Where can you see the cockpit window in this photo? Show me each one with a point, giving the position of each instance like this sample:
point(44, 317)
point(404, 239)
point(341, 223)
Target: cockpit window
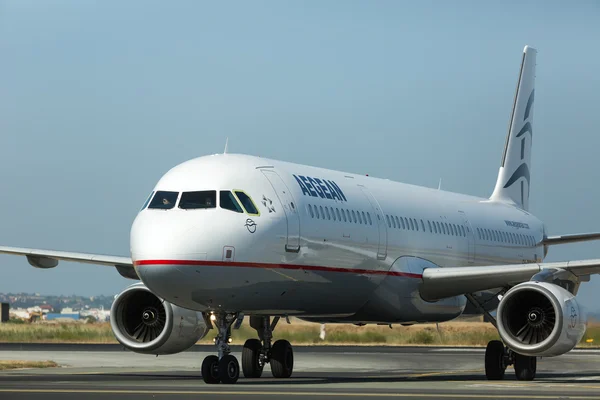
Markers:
point(147, 201)
point(195, 200)
point(228, 201)
point(246, 202)
point(164, 200)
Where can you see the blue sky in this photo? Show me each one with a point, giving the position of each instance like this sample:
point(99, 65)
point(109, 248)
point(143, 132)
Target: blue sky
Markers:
point(98, 99)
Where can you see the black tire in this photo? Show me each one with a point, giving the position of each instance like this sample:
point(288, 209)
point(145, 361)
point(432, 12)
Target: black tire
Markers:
point(525, 367)
point(251, 359)
point(282, 359)
point(210, 370)
point(229, 369)
point(494, 361)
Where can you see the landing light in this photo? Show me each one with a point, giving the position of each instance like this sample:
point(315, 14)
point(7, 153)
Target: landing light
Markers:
point(589, 340)
point(213, 318)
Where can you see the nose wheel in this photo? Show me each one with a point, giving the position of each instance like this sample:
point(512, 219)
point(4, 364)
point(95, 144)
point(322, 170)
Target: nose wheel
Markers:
point(224, 367)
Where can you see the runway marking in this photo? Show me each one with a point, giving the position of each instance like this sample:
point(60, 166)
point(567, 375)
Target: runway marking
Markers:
point(257, 393)
point(426, 374)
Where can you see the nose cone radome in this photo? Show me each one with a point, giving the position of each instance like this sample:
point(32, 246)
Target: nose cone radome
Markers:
point(162, 236)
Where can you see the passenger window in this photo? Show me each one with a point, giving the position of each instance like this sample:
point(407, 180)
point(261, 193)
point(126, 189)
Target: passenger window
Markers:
point(247, 202)
point(369, 217)
point(439, 228)
point(348, 215)
point(423, 225)
point(393, 222)
point(402, 222)
point(147, 201)
point(228, 201)
point(412, 224)
point(327, 212)
point(416, 225)
point(353, 216)
point(317, 212)
point(344, 215)
point(364, 217)
point(359, 219)
point(310, 211)
point(429, 223)
point(333, 213)
point(339, 217)
point(322, 212)
point(387, 217)
point(462, 228)
point(164, 200)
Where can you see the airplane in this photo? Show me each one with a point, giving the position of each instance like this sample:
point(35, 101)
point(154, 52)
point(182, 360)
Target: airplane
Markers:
point(226, 236)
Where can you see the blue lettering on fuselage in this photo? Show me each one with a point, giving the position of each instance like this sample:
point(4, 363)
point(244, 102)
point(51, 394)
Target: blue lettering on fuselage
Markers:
point(316, 187)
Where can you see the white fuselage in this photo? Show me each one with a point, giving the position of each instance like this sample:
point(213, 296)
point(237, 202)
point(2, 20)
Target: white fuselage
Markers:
point(324, 244)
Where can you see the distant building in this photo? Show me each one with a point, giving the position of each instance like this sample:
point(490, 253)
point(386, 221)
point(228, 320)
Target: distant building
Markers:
point(4, 312)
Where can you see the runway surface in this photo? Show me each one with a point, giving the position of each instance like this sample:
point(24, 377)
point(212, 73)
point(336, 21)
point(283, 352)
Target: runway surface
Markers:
point(107, 372)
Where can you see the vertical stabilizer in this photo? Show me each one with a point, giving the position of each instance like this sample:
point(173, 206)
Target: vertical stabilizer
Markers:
point(514, 177)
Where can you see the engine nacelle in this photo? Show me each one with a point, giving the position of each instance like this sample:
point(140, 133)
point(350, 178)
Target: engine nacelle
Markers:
point(540, 319)
point(147, 324)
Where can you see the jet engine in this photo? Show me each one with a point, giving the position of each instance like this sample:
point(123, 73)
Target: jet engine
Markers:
point(540, 319)
point(147, 324)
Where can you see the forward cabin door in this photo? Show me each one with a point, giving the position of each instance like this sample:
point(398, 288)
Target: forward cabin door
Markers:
point(289, 208)
point(379, 220)
point(470, 237)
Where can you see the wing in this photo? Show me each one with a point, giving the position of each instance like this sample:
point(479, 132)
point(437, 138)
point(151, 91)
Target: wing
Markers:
point(439, 283)
point(50, 258)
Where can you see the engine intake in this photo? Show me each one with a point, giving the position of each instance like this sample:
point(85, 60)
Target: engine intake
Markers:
point(144, 323)
point(540, 319)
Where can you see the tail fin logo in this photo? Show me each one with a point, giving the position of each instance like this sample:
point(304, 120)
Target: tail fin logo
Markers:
point(523, 170)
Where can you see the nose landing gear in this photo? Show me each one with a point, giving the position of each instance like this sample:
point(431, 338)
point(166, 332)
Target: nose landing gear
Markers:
point(224, 367)
point(257, 353)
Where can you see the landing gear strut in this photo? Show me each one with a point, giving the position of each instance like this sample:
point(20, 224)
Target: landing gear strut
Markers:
point(224, 367)
point(498, 357)
point(256, 353)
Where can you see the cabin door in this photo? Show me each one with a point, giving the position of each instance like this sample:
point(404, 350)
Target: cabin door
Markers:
point(379, 220)
point(470, 237)
point(289, 208)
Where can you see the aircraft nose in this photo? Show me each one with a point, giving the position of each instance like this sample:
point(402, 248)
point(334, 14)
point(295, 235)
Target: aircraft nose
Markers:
point(159, 236)
point(158, 241)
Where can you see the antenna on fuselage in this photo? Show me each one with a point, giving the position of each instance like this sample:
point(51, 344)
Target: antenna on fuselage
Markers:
point(226, 143)
point(440, 184)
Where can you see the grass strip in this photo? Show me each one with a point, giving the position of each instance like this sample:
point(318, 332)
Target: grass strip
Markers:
point(11, 364)
point(454, 333)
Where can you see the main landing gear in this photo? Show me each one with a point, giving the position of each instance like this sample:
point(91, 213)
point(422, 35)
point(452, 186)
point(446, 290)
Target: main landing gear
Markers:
point(256, 353)
point(498, 357)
